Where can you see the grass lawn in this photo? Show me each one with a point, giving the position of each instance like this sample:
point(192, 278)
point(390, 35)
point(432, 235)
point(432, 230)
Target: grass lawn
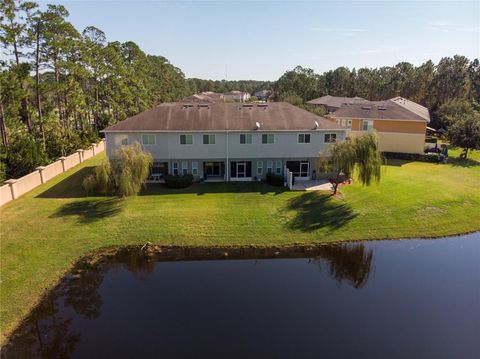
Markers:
point(45, 231)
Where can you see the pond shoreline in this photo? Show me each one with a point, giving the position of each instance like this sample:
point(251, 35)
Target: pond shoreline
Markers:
point(150, 252)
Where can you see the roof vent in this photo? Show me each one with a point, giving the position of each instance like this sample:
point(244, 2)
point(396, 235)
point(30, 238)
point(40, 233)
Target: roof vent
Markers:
point(247, 105)
point(262, 105)
point(187, 105)
point(382, 108)
point(257, 125)
point(366, 108)
point(316, 124)
point(203, 105)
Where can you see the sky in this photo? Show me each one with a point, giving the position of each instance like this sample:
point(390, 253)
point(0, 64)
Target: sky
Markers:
point(261, 40)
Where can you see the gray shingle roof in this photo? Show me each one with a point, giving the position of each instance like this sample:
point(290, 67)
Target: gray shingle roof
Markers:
point(335, 101)
point(393, 109)
point(276, 116)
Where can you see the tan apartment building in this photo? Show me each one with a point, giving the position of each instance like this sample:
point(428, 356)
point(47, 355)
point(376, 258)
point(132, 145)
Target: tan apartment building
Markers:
point(400, 124)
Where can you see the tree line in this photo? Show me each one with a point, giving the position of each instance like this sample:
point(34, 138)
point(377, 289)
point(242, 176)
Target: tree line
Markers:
point(221, 86)
point(60, 86)
point(452, 79)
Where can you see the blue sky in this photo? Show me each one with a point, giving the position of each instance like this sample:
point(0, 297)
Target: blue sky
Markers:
point(262, 40)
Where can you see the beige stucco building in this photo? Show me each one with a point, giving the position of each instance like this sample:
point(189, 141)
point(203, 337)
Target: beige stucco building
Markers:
point(400, 124)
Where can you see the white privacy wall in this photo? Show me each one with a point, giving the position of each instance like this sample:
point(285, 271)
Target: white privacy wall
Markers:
point(14, 188)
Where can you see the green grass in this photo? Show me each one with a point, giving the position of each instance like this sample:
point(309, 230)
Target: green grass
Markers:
point(45, 231)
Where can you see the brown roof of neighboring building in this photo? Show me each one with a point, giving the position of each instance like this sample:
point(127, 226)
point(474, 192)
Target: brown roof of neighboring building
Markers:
point(414, 107)
point(276, 116)
point(335, 101)
point(393, 109)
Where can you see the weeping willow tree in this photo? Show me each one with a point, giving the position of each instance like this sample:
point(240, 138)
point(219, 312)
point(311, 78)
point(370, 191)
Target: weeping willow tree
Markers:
point(124, 174)
point(361, 154)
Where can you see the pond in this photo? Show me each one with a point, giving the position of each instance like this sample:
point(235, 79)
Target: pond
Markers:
point(379, 299)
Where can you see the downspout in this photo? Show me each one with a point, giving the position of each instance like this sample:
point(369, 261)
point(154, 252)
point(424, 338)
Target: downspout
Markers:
point(227, 164)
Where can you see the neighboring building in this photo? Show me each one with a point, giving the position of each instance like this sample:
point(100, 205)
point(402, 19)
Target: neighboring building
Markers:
point(228, 141)
point(238, 96)
point(401, 124)
point(262, 95)
point(205, 97)
point(333, 103)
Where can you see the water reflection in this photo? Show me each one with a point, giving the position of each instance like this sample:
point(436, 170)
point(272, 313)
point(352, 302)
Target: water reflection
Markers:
point(351, 263)
point(49, 333)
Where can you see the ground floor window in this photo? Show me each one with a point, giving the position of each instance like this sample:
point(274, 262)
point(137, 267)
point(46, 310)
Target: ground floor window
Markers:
point(259, 168)
point(299, 168)
point(278, 167)
point(195, 168)
point(184, 168)
point(175, 168)
point(241, 169)
point(269, 166)
point(159, 168)
point(214, 169)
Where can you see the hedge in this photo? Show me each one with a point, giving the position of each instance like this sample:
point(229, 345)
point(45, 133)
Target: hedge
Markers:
point(178, 181)
point(275, 180)
point(411, 157)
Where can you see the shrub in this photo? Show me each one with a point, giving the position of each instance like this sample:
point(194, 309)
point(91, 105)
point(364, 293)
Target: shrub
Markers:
point(178, 181)
point(89, 184)
point(410, 157)
point(275, 180)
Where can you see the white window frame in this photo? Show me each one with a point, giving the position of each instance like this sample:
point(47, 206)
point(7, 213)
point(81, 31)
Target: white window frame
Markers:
point(270, 138)
point(259, 168)
point(175, 168)
point(269, 166)
point(184, 168)
point(330, 135)
point(369, 125)
point(278, 167)
point(302, 137)
point(195, 168)
point(187, 136)
point(246, 137)
point(209, 141)
point(148, 142)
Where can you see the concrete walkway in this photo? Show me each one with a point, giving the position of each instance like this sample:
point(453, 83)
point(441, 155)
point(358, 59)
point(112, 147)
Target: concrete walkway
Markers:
point(313, 185)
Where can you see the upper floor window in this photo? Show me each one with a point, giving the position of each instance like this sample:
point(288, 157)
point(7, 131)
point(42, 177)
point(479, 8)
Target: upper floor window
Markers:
point(148, 139)
point(186, 139)
point(268, 138)
point(246, 139)
point(330, 137)
point(208, 139)
point(303, 138)
point(367, 125)
point(349, 124)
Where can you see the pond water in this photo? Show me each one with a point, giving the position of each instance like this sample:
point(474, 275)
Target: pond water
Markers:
point(382, 299)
